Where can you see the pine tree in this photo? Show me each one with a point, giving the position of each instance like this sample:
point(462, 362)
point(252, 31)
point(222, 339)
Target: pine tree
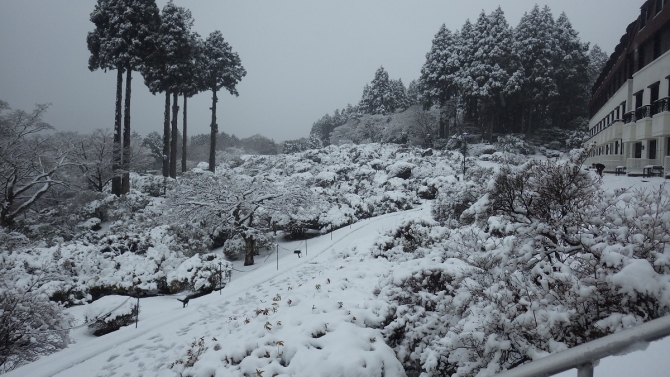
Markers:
point(122, 35)
point(221, 68)
point(438, 79)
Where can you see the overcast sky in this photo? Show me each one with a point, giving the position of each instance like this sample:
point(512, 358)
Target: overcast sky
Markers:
point(304, 58)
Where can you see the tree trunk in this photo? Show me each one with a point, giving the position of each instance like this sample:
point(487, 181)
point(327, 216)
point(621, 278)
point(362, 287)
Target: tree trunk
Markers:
point(125, 183)
point(441, 127)
point(184, 140)
point(116, 149)
point(212, 138)
point(175, 134)
point(166, 135)
point(250, 244)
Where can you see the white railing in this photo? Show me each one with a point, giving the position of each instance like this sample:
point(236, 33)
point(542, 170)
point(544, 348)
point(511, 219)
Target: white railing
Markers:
point(585, 355)
point(637, 164)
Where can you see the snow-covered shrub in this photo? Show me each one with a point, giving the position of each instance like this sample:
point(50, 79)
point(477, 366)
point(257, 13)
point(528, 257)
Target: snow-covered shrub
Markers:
point(400, 169)
point(30, 324)
point(152, 185)
point(457, 196)
point(507, 158)
point(550, 262)
point(513, 144)
point(410, 240)
point(109, 314)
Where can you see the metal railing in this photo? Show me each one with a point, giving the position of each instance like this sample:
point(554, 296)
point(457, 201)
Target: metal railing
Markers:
point(629, 117)
point(661, 105)
point(643, 112)
point(585, 355)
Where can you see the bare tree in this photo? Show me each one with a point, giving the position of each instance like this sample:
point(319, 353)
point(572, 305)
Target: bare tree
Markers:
point(29, 160)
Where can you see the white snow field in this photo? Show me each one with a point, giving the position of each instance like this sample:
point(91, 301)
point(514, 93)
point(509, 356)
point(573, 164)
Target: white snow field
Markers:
point(311, 316)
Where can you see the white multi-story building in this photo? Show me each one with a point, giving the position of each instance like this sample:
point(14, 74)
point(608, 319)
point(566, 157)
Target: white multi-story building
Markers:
point(630, 103)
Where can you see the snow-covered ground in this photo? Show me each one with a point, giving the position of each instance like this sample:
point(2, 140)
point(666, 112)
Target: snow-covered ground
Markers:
point(306, 316)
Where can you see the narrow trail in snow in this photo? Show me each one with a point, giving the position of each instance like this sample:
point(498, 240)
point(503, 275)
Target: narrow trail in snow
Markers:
point(245, 286)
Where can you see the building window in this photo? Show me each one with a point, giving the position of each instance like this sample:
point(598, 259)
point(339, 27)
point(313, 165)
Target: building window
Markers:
point(652, 149)
point(653, 96)
point(667, 148)
point(616, 147)
point(640, 57)
point(638, 99)
point(659, 6)
point(643, 18)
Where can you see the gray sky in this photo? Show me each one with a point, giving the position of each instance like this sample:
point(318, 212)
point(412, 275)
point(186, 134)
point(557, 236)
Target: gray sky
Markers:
point(304, 58)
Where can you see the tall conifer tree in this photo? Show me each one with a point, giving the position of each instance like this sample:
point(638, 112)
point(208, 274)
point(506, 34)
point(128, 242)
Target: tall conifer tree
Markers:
point(220, 68)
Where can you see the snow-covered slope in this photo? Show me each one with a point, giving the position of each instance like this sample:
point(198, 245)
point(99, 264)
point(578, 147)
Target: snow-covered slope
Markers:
point(309, 317)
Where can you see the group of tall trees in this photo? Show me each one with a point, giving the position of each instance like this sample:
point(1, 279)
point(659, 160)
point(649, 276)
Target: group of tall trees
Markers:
point(502, 79)
point(491, 78)
point(133, 35)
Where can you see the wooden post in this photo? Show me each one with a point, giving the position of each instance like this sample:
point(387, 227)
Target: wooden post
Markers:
point(277, 257)
point(137, 314)
point(220, 279)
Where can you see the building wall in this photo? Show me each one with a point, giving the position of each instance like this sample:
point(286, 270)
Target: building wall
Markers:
point(634, 136)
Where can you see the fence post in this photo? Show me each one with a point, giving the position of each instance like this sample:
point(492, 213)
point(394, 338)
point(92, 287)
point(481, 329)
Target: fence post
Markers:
point(137, 314)
point(585, 370)
point(220, 279)
point(277, 257)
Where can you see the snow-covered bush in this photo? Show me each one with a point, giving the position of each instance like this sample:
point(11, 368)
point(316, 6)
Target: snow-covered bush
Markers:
point(550, 262)
point(411, 240)
point(513, 144)
point(109, 314)
point(507, 158)
point(30, 325)
point(457, 196)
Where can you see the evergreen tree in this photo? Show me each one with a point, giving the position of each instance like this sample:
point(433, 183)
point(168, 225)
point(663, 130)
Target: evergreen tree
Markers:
point(382, 95)
point(438, 79)
point(122, 36)
point(572, 75)
point(221, 68)
point(536, 48)
point(485, 76)
point(167, 71)
point(597, 60)
point(414, 95)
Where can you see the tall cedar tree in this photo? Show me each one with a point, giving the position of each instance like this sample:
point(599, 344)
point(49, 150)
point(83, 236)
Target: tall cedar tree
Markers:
point(122, 36)
point(438, 75)
point(572, 78)
point(220, 68)
point(382, 95)
point(190, 86)
point(166, 71)
point(486, 78)
point(534, 45)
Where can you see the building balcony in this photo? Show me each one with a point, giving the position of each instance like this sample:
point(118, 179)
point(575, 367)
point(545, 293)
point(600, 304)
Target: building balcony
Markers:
point(643, 128)
point(611, 133)
point(629, 117)
point(628, 132)
point(643, 112)
point(662, 105)
point(661, 124)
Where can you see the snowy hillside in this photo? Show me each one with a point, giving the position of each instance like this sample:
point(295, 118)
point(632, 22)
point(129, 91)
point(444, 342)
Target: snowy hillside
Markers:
point(423, 272)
